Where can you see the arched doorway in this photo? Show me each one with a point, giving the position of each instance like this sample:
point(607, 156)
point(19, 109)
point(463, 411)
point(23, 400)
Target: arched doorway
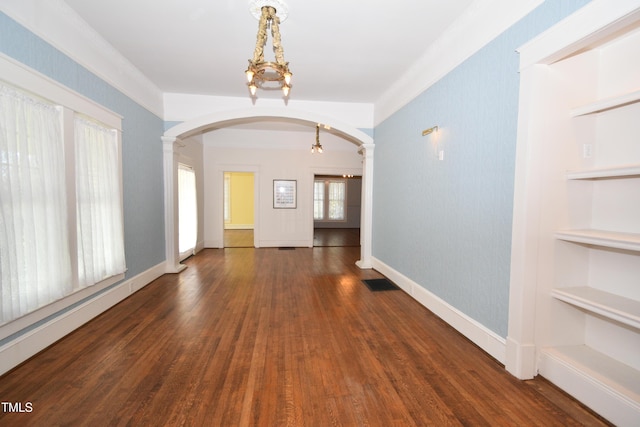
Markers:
point(199, 125)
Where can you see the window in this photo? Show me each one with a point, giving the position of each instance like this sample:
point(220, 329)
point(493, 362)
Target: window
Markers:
point(318, 200)
point(337, 193)
point(98, 202)
point(61, 211)
point(187, 211)
point(34, 248)
point(329, 199)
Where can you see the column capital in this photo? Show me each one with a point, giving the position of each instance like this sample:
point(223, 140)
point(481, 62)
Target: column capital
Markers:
point(367, 149)
point(168, 143)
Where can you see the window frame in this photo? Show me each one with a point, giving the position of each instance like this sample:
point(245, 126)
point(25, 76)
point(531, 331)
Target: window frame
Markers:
point(38, 85)
point(326, 180)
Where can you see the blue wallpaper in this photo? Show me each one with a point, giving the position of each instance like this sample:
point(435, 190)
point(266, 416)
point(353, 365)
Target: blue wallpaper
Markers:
point(141, 144)
point(447, 224)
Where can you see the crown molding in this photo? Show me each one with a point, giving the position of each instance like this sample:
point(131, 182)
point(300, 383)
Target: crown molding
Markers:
point(480, 23)
point(59, 25)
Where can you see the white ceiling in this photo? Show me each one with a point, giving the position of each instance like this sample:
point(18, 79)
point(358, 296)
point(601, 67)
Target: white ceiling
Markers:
point(338, 50)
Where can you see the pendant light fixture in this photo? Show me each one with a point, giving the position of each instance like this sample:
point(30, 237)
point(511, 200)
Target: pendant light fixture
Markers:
point(317, 148)
point(260, 72)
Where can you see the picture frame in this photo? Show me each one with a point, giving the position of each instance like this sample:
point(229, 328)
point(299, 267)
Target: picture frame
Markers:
point(285, 194)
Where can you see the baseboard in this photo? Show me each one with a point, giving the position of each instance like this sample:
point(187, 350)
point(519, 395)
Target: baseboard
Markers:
point(616, 403)
point(286, 243)
point(521, 359)
point(32, 342)
point(483, 337)
point(238, 226)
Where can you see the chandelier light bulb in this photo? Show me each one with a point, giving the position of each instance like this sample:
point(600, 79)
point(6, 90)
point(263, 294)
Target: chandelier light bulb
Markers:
point(287, 78)
point(285, 90)
point(249, 74)
point(253, 88)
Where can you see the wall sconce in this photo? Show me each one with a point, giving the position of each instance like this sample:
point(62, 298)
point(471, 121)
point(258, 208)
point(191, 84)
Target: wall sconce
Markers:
point(430, 130)
point(435, 142)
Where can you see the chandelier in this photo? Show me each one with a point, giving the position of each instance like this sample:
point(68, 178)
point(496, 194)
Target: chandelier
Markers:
point(261, 72)
point(317, 147)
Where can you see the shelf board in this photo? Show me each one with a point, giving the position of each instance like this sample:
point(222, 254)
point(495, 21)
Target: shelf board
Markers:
point(611, 306)
point(604, 173)
point(595, 369)
point(606, 104)
point(609, 239)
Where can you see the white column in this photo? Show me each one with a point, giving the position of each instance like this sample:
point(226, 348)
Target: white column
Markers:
point(171, 206)
point(366, 221)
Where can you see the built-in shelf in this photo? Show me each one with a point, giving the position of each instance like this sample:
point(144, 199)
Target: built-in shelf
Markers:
point(594, 368)
point(607, 104)
point(609, 239)
point(611, 306)
point(605, 173)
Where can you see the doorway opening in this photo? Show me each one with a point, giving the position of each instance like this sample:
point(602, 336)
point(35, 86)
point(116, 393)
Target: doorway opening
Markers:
point(239, 210)
point(337, 207)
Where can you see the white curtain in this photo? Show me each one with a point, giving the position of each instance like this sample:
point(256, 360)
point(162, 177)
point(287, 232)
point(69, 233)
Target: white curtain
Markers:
point(318, 200)
point(337, 192)
point(99, 205)
point(187, 210)
point(35, 267)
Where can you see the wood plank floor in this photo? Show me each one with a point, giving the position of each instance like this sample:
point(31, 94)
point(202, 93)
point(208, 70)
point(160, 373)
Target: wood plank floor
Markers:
point(336, 237)
point(321, 237)
point(238, 239)
point(268, 337)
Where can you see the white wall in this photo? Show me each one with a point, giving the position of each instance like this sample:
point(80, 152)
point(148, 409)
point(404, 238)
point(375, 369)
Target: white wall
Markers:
point(272, 155)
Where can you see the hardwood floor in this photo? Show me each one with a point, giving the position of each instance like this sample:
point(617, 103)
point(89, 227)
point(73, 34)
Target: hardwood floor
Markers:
point(238, 239)
point(336, 237)
point(321, 237)
point(266, 337)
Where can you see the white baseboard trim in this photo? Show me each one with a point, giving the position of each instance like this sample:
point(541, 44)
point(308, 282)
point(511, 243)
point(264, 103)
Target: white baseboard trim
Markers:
point(521, 359)
point(616, 403)
point(286, 243)
point(213, 244)
point(32, 342)
point(483, 337)
point(238, 226)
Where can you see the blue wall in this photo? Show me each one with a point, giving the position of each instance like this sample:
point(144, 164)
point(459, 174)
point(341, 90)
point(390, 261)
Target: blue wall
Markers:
point(447, 224)
point(141, 144)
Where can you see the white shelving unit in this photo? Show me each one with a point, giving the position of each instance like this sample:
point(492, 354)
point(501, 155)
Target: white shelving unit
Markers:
point(606, 173)
point(605, 304)
point(607, 104)
point(578, 213)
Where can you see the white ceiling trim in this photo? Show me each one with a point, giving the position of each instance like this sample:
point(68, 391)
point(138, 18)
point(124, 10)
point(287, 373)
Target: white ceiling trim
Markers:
point(480, 23)
point(59, 25)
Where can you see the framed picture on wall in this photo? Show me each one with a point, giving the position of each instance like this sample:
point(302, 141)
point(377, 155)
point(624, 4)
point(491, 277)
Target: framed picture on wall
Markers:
point(284, 193)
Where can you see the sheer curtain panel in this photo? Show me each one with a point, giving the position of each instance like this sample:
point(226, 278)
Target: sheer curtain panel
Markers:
point(35, 267)
point(337, 193)
point(187, 211)
point(99, 204)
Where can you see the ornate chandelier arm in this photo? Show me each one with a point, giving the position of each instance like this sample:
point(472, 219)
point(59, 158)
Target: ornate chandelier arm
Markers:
point(261, 40)
point(275, 34)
